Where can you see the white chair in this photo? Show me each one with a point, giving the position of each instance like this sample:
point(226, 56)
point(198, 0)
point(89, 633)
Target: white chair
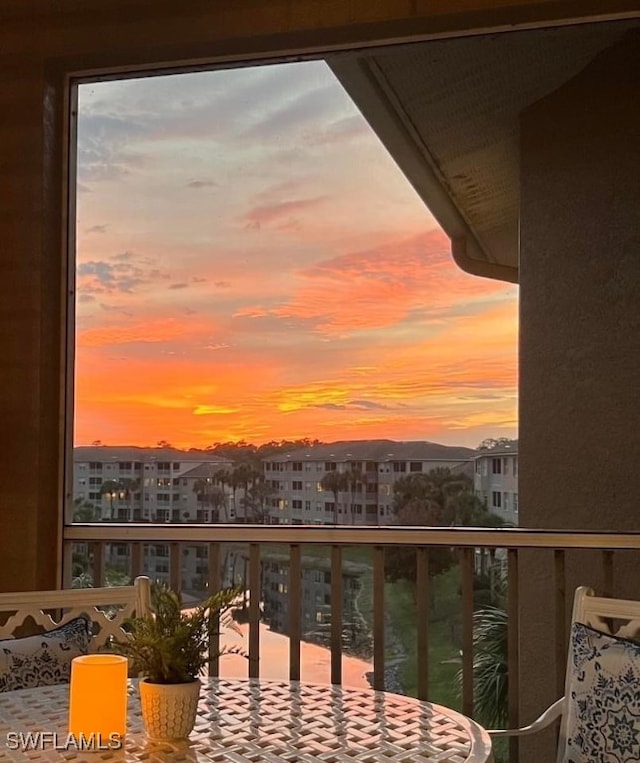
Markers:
point(107, 608)
point(617, 617)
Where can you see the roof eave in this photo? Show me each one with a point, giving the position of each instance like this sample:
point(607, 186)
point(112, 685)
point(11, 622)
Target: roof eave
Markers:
point(414, 160)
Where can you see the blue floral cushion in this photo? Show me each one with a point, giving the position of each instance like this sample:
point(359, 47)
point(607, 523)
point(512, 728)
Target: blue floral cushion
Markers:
point(43, 660)
point(603, 705)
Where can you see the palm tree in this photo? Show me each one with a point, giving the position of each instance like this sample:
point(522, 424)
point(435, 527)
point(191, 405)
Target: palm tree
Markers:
point(335, 482)
point(201, 488)
point(234, 482)
point(243, 475)
point(490, 670)
point(221, 477)
point(255, 499)
point(217, 501)
point(111, 488)
point(210, 493)
point(129, 487)
point(354, 476)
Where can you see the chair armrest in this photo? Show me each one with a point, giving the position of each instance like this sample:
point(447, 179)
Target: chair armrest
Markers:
point(550, 715)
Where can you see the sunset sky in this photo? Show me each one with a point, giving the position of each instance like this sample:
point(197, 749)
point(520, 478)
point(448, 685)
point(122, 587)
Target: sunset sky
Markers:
point(252, 265)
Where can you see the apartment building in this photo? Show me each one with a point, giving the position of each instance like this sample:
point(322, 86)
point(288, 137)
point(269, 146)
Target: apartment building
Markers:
point(131, 484)
point(496, 480)
point(128, 484)
point(315, 601)
point(297, 478)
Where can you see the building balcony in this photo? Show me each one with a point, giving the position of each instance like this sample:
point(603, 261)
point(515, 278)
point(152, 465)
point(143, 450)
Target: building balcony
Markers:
point(340, 587)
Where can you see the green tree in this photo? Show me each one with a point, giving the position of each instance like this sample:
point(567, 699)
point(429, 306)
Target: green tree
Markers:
point(401, 563)
point(491, 443)
point(84, 511)
point(439, 498)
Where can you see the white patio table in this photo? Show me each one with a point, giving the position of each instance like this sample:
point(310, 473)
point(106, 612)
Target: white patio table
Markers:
point(242, 721)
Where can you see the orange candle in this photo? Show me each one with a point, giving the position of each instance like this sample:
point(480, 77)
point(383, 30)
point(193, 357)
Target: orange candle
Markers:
point(98, 702)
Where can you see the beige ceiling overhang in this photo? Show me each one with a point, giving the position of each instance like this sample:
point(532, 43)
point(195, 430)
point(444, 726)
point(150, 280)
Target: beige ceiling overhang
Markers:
point(448, 113)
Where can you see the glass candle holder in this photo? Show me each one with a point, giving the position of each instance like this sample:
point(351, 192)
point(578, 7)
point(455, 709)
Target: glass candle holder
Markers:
point(98, 702)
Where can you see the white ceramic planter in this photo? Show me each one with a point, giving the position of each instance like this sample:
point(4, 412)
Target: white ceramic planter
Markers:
point(169, 710)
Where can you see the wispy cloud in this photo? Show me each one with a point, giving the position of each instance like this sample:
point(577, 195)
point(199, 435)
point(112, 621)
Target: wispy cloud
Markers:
point(201, 184)
point(104, 277)
point(278, 212)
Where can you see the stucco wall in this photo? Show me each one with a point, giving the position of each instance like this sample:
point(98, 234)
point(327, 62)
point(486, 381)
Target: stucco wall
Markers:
point(579, 337)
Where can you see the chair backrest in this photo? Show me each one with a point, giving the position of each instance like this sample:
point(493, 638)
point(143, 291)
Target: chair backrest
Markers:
point(617, 617)
point(107, 608)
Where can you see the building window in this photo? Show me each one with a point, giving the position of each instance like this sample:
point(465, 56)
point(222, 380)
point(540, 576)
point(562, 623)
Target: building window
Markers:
point(415, 466)
point(505, 465)
point(95, 465)
point(329, 506)
point(307, 505)
point(496, 466)
point(496, 499)
point(296, 485)
point(296, 504)
point(330, 466)
point(124, 466)
point(399, 466)
point(176, 466)
point(296, 466)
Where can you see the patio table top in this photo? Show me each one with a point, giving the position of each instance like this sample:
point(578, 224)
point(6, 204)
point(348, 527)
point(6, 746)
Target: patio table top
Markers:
point(249, 720)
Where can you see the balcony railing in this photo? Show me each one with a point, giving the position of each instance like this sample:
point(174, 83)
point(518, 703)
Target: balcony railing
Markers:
point(507, 544)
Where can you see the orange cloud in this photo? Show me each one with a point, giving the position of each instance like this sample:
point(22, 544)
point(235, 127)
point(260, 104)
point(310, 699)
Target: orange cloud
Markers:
point(383, 286)
point(457, 380)
point(151, 331)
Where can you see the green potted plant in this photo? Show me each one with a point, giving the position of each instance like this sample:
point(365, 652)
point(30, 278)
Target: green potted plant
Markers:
point(169, 650)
